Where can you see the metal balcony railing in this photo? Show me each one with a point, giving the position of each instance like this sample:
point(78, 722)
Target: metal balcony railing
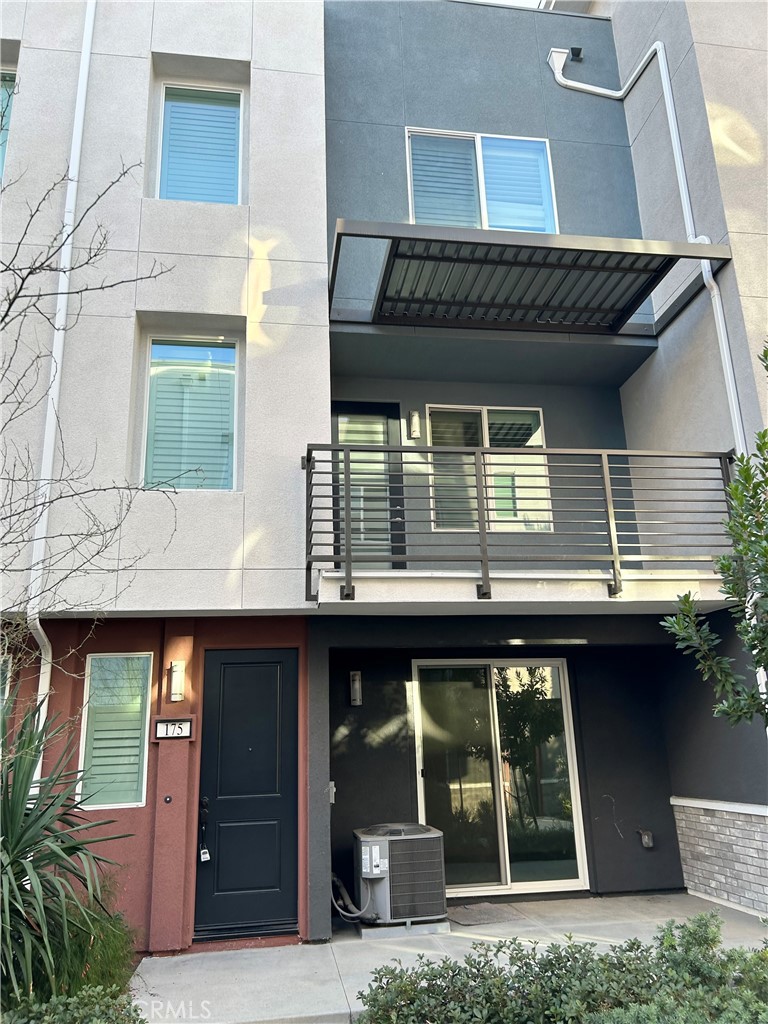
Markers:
point(494, 510)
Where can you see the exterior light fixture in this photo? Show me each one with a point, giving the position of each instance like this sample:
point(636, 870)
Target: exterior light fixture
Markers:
point(414, 424)
point(176, 675)
point(356, 689)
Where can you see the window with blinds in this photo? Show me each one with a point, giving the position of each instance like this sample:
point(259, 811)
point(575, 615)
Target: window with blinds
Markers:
point(200, 160)
point(447, 172)
point(517, 487)
point(7, 89)
point(115, 729)
point(191, 416)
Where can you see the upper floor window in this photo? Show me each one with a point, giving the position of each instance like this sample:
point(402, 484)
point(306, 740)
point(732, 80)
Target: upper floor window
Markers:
point(516, 487)
point(481, 181)
point(7, 89)
point(114, 732)
point(200, 150)
point(191, 415)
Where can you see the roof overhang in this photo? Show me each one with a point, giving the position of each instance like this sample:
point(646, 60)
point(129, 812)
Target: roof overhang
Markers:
point(509, 280)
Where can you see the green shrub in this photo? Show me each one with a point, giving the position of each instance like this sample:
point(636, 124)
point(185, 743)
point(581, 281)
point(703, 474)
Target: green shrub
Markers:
point(91, 1005)
point(731, 1008)
point(102, 954)
point(51, 883)
point(685, 977)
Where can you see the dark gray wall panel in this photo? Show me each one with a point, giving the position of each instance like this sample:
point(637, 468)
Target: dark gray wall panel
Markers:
point(625, 780)
point(573, 417)
point(708, 758)
point(472, 68)
point(373, 761)
point(575, 116)
point(591, 187)
point(363, 62)
point(367, 169)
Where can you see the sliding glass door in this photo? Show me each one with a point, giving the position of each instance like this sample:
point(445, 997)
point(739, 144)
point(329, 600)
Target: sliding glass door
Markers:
point(497, 773)
point(459, 772)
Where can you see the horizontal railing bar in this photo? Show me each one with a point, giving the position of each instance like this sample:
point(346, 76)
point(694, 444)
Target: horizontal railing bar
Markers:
point(611, 452)
point(402, 506)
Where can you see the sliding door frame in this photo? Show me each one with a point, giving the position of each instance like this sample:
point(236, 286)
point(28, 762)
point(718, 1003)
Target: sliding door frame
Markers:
point(506, 886)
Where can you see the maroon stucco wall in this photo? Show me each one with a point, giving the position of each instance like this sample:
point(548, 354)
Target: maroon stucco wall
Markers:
point(154, 881)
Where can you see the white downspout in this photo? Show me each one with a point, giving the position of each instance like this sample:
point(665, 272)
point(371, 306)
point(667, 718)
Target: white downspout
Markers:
point(39, 541)
point(556, 61)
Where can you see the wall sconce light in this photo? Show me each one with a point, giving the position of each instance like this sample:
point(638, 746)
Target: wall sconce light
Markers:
point(414, 424)
point(646, 838)
point(356, 689)
point(176, 675)
point(577, 54)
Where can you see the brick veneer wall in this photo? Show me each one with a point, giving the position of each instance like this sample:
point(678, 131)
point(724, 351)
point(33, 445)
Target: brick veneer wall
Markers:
point(724, 850)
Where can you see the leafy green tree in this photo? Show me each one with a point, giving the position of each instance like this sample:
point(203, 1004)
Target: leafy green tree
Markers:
point(745, 583)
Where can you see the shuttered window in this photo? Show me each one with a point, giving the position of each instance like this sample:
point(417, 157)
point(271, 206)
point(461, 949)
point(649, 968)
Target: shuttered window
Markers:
point(445, 189)
point(516, 193)
point(191, 418)
point(7, 87)
point(518, 196)
point(115, 743)
point(201, 146)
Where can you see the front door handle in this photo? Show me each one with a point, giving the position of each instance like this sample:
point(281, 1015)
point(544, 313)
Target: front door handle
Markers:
point(203, 824)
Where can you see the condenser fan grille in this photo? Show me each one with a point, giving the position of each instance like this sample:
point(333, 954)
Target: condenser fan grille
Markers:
point(417, 879)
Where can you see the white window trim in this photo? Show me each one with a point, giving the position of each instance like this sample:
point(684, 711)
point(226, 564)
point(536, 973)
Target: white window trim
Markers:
point(84, 724)
point(478, 137)
point(414, 726)
point(234, 90)
point(494, 523)
point(9, 70)
point(6, 660)
point(199, 340)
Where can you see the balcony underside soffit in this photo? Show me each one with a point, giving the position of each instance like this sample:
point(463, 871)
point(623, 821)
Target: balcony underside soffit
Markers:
point(404, 275)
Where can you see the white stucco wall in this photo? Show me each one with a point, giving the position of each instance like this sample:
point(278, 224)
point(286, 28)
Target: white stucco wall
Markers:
point(256, 272)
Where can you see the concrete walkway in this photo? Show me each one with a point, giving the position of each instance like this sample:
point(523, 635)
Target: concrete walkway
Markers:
point(319, 984)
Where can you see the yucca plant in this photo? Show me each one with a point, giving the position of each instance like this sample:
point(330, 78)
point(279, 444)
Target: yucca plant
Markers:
point(50, 870)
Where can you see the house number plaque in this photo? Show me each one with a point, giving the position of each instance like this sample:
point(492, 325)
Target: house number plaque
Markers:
point(173, 729)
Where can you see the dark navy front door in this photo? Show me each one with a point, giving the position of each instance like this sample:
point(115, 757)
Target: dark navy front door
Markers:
point(247, 884)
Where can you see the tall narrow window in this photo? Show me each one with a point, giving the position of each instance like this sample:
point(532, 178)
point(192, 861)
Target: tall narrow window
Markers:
point(200, 158)
point(482, 181)
point(191, 419)
point(7, 89)
point(115, 739)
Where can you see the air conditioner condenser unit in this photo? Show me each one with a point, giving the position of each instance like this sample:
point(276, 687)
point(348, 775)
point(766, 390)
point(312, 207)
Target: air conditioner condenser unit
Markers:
point(401, 866)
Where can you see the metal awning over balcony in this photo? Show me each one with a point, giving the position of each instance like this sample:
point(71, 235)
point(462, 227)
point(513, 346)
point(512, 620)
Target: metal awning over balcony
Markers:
point(458, 277)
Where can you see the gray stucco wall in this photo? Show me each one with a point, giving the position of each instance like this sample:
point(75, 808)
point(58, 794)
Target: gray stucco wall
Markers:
point(708, 758)
point(621, 754)
point(644, 732)
point(574, 417)
point(471, 68)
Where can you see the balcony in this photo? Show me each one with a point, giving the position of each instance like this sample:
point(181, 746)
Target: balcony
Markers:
point(495, 517)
